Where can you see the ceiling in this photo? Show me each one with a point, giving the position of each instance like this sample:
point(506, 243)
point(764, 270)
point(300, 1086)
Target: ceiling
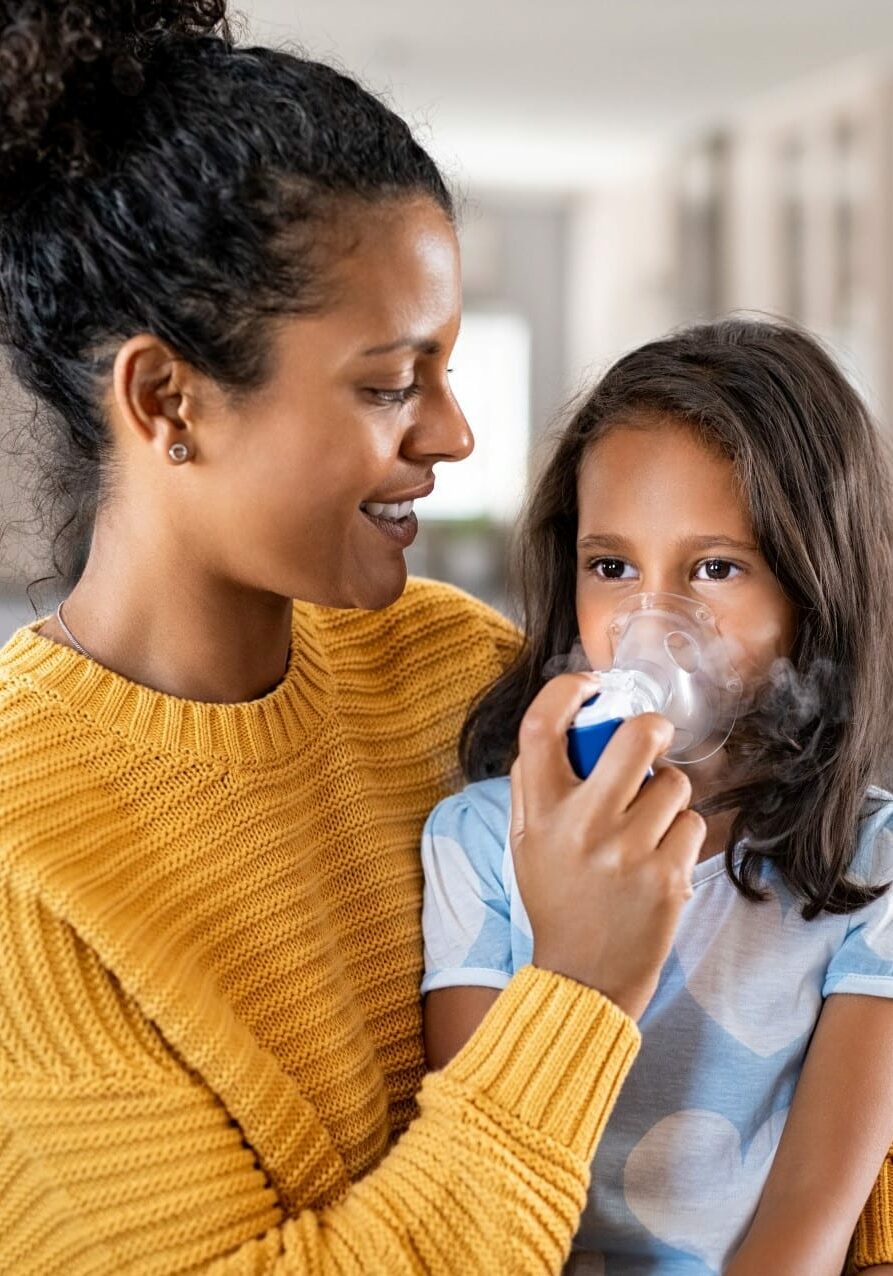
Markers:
point(568, 91)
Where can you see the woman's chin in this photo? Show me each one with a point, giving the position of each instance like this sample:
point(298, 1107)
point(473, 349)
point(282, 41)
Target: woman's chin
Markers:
point(369, 591)
point(382, 588)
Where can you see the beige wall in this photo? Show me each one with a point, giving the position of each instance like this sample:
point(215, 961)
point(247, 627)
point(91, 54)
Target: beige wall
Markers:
point(22, 550)
point(635, 269)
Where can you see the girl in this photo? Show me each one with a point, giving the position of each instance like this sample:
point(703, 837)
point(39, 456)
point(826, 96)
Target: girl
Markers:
point(732, 465)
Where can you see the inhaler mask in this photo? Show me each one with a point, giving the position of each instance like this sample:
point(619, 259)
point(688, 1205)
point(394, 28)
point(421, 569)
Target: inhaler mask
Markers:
point(669, 658)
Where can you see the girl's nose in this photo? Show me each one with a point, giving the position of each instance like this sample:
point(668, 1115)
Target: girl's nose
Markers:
point(661, 580)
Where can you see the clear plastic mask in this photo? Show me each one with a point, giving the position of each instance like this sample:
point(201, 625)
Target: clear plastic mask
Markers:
point(670, 649)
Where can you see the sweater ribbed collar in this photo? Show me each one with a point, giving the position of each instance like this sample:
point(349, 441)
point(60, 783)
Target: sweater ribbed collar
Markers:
point(249, 732)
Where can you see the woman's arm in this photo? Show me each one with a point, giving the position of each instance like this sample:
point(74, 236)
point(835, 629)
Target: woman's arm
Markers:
point(126, 1162)
point(116, 1156)
point(838, 1132)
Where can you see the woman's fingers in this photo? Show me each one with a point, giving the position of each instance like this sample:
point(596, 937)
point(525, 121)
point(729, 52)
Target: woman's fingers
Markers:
point(657, 806)
point(516, 829)
point(542, 742)
point(678, 852)
point(629, 755)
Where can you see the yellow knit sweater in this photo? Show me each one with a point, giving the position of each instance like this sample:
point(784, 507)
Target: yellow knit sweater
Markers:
point(209, 972)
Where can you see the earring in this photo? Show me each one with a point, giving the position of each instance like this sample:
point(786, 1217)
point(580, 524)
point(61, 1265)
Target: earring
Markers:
point(178, 452)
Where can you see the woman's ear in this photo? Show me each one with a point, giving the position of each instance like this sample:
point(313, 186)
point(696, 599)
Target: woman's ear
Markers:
point(155, 395)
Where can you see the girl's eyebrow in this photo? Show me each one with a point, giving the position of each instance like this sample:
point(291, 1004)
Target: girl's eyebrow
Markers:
point(729, 542)
point(605, 540)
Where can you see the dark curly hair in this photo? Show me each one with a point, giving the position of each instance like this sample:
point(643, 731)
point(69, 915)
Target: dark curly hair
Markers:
point(156, 177)
point(815, 477)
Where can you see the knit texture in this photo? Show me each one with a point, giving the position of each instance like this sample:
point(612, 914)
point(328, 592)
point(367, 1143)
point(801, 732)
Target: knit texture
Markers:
point(873, 1242)
point(210, 958)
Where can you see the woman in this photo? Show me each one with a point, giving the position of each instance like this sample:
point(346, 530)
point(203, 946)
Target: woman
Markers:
point(231, 279)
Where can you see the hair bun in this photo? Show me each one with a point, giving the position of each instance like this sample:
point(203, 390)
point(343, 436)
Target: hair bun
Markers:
point(62, 65)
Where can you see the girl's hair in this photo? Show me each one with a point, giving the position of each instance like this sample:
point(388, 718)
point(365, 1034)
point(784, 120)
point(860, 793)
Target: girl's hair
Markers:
point(153, 177)
point(812, 470)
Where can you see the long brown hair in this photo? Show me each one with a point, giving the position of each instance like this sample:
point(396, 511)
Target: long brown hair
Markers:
point(813, 471)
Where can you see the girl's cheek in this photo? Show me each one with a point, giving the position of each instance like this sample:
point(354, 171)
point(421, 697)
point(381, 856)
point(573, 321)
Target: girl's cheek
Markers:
point(762, 633)
point(593, 629)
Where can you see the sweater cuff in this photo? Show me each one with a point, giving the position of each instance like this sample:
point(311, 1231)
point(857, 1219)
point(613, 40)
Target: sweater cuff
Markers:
point(552, 1052)
point(873, 1241)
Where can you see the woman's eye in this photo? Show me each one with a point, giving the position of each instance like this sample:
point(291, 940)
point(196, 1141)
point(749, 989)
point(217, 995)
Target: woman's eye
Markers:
point(612, 568)
point(716, 569)
point(402, 395)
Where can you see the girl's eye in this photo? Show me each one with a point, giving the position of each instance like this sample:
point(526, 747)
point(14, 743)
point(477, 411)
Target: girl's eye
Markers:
point(402, 395)
point(612, 568)
point(716, 569)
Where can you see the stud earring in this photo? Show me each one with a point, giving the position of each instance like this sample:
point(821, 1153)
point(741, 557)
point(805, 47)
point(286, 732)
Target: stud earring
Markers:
point(178, 452)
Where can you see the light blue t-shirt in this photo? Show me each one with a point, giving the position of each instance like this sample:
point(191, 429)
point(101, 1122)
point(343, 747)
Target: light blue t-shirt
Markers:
point(683, 1160)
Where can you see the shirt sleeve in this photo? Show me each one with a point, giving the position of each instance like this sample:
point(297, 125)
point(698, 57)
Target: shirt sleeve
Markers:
point(466, 916)
point(864, 962)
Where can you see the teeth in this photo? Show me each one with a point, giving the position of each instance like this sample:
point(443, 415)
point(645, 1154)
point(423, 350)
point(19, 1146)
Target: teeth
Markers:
point(396, 511)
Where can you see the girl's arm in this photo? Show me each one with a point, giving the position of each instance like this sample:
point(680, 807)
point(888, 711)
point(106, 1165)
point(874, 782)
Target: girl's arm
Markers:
point(838, 1132)
point(451, 1016)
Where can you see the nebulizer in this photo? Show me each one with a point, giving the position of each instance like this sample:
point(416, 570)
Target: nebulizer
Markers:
point(668, 658)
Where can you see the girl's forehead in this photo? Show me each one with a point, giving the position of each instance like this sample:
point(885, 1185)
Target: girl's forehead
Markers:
point(648, 477)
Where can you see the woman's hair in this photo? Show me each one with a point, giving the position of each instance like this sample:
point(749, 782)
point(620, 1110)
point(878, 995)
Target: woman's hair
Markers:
point(153, 177)
point(813, 473)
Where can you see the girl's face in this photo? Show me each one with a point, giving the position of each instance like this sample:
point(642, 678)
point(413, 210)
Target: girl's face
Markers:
point(659, 512)
point(286, 492)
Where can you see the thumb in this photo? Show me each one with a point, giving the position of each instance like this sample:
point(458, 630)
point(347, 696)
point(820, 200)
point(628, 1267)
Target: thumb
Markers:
point(516, 828)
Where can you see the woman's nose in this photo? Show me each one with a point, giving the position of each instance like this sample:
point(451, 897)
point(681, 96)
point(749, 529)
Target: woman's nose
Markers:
point(441, 434)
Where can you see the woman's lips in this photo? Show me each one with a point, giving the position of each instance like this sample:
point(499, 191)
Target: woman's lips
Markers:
point(399, 531)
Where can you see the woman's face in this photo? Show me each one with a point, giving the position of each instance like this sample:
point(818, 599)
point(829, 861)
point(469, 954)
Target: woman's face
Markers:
point(659, 512)
point(304, 488)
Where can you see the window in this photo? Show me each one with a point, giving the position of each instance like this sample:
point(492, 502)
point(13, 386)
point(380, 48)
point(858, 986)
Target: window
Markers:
point(491, 380)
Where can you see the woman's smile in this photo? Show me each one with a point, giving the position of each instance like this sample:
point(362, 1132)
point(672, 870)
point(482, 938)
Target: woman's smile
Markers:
point(394, 515)
point(397, 522)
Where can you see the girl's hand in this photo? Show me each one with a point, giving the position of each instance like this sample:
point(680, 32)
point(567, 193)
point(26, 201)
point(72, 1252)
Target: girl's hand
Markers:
point(604, 866)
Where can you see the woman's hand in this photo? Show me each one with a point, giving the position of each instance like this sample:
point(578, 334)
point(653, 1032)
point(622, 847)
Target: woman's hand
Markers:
point(603, 865)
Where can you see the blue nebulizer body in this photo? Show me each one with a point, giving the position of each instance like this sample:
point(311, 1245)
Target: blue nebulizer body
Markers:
point(668, 658)
point(624, 694)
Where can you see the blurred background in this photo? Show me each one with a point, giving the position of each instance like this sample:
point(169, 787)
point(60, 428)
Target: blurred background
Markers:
point(626, 166)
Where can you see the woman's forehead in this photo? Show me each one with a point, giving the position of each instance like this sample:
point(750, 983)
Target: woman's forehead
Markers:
point(402, 274)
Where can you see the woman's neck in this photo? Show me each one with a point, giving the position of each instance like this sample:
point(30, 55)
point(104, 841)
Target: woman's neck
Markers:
point(161, 620)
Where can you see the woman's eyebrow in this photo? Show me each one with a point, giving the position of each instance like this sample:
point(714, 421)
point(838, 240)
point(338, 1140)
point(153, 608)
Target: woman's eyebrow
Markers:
point(422, 345)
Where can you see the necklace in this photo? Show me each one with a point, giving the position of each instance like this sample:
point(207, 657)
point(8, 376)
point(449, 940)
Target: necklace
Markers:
point(84, 652)
point(70, 636)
